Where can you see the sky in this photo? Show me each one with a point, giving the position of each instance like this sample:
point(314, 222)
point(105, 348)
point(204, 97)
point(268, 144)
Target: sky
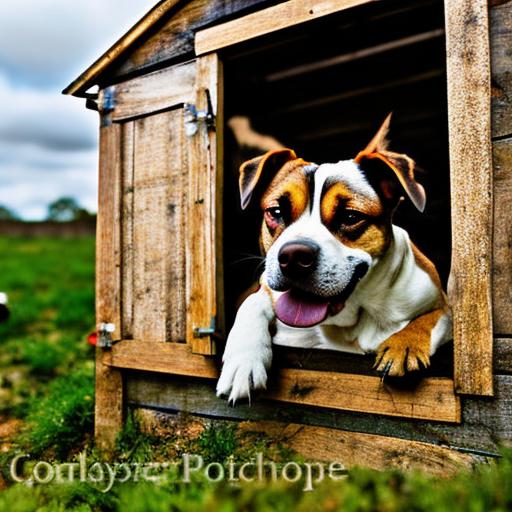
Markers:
point(48, 142)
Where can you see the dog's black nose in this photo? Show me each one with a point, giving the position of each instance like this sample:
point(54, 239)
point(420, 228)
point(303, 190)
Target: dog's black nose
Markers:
point(298, 258)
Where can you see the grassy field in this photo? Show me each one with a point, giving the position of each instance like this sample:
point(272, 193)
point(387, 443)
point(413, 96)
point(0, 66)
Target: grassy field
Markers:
point(47, 403)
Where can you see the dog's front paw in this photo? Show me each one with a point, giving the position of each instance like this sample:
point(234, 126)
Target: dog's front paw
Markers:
point(242, 373)
point(402, 353)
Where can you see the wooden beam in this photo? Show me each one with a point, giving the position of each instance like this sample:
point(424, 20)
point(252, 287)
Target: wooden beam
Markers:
point(119, 47)
point(468, 70)
point(109, 386)
point(204, 186)
point(359, 449)
point(154, 92)
point(486, 425)
point(266, 21)
point(355, 55)
point(432, 399)
point(502, 236)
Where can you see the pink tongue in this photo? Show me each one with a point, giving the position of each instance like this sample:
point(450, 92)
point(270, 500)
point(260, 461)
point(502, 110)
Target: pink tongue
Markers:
point(298, 311)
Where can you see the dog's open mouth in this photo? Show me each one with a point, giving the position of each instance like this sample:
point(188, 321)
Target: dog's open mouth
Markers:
point(297, 308)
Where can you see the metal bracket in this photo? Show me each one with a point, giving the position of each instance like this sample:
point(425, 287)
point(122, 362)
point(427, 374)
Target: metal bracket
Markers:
point(106, 104)
point(201, 332)
point(194, 116)
point(105, 335)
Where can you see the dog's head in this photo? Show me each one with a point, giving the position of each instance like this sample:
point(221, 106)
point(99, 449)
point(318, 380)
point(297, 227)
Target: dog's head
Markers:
point(324, 226)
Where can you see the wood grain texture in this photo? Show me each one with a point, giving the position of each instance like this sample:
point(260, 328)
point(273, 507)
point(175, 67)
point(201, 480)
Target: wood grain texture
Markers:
point(127, 269)
point(174, 358)
point(467, 42)
point(154, 92)
point(108, 403)
point(108, 243)
point(486, 424)
point(363, 450)
point(432, 399)
point(268, 20)
point(86, 79)
point(108, 387)
point(204, 194)
point(501, 41)
point(174, 38)
point(159, 216)
point(502, 237)
point(503, 355)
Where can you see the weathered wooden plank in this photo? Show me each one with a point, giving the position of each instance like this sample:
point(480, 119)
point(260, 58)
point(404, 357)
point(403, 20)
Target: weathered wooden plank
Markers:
point(203, 263)
point(176, 358)
point(268, 20)
point(127, 148)
point(108, 253)
point(430, 399)
point(503, 355)
point(108, 403)
point(501, 41)
point(502, 237)
point(159, 228)
point(174, 37)
point(156, 91)
point(108, 389)
point(86, 79)
point(363, 450)
point(485, 423)
point(467, 42)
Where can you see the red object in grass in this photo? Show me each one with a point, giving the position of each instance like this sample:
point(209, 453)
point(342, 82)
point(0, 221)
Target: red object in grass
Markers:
point(92, 339)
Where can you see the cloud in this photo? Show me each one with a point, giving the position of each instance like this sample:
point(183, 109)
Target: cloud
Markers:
point(29, 183)
point(45, 118)
point(48, 142)
point(46, 43)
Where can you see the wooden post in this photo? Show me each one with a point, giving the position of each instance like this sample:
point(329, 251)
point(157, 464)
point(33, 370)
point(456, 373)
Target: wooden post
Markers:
point(469, 112)
point(109, 385)
point(204, 240)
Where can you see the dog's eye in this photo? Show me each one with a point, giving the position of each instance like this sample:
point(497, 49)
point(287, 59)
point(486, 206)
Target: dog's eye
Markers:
point(351, 217)
point(273, 216)
point(274, 212)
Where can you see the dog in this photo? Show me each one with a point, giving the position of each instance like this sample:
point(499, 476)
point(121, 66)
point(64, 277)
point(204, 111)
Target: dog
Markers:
point(338, 274)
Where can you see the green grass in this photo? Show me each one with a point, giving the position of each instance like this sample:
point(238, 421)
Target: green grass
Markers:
point(50, 283)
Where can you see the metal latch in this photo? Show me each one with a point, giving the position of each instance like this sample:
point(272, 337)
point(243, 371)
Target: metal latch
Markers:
point(105, 335)
point(194, 116)
point(201, 332)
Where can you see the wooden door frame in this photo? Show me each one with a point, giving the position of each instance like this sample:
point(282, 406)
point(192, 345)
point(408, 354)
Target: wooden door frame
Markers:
point(471, 169)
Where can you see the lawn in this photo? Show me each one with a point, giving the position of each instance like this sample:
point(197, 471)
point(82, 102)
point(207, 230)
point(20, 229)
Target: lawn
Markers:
point(47, 404)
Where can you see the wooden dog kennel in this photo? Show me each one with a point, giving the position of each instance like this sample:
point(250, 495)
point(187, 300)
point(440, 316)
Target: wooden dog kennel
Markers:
point(312, 74)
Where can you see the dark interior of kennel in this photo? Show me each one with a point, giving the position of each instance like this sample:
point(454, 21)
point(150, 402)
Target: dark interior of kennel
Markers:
point(323, 90)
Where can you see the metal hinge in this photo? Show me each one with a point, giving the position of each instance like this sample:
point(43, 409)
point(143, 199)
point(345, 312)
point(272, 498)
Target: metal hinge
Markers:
point(194, 116)
point(105, 331)
point(201, 332)
point(106, 104)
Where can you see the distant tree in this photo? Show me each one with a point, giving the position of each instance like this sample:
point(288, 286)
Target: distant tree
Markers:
point(7, 213)
point(66, 209)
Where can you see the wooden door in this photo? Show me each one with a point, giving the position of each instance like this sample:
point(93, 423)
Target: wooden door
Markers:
point(157, 260)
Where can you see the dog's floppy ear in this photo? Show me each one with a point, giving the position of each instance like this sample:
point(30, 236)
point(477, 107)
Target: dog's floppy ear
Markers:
point(267, 166)
point(400, 164)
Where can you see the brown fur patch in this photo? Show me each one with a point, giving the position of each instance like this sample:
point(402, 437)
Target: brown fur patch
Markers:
point(373, 235)
point(375, 240)
point(290, 183)
point(406, 349)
